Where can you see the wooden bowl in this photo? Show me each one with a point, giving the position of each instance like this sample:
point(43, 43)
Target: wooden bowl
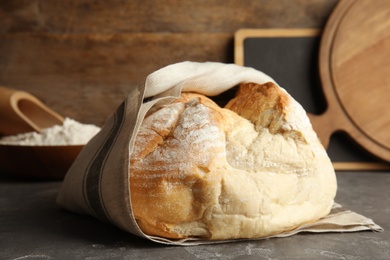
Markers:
point(37, 162)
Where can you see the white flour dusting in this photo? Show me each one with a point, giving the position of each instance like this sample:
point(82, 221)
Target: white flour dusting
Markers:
point(70, 133)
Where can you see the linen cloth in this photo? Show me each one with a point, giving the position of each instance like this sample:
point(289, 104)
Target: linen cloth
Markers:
point(98, 182)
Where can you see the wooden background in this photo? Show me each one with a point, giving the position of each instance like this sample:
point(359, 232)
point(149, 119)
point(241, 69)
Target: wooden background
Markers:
point(80, 57)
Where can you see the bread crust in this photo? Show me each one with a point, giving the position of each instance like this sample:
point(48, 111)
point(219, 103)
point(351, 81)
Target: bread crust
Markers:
point(250, 170)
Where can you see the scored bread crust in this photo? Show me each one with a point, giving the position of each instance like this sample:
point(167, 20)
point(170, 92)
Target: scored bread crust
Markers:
point(253, 169)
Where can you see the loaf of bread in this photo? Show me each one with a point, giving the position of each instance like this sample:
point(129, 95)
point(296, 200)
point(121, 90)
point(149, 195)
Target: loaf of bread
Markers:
point(252, 169)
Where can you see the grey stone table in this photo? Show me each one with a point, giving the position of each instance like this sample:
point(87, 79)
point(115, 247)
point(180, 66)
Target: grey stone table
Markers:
point(32, 226)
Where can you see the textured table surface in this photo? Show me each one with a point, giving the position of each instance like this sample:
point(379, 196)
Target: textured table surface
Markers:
point(34, 227)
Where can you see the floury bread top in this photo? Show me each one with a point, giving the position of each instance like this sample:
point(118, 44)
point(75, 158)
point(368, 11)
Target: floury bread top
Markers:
point(253, 169)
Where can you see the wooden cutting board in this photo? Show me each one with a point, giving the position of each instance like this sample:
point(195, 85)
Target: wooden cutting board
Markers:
point(354, 65)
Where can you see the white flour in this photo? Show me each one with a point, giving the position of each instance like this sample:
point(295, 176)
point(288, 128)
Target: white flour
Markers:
point(70, 133)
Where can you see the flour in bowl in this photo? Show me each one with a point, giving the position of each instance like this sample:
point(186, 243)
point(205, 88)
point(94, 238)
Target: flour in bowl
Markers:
point(70, 133)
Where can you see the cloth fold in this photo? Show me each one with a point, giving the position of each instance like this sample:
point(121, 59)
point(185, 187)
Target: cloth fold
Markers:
point(98, 182)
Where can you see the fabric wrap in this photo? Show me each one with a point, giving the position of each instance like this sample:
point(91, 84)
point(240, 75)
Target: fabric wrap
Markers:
point(98, 182)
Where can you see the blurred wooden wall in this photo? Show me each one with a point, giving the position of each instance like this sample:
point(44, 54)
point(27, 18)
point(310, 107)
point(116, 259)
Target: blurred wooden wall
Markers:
point(81, 57)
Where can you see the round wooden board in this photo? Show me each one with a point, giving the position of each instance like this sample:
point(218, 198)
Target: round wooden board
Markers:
point(355, 75)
